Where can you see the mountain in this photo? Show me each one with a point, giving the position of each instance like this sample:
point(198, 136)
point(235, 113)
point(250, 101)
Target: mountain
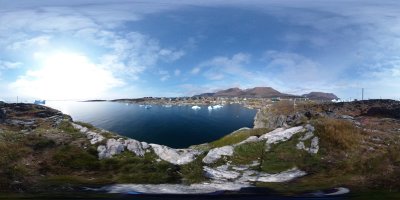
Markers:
point(231, 92)
point(266, 92)
point(259, 92)
point(320, 96)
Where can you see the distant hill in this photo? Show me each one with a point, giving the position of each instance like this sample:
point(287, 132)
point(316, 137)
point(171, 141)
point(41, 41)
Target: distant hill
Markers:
point(259, 92)
point(231, 92)
point(320, 96)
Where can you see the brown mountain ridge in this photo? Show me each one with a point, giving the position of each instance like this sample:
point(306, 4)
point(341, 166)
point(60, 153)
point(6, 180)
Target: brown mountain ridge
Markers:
point(266, 92)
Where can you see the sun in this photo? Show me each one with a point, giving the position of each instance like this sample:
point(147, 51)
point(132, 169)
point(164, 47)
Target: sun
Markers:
point(66, 75)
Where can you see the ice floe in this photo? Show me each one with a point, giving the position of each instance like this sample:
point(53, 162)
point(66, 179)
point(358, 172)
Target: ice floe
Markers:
point(196, 107)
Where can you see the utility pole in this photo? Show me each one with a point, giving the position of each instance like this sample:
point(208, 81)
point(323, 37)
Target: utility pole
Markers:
point(17, 99)
point(362, 94)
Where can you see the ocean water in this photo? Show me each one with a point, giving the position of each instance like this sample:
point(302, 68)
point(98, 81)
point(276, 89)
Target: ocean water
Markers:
point(176, 126)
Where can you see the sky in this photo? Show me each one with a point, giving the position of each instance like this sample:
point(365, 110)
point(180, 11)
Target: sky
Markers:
point(108, 49)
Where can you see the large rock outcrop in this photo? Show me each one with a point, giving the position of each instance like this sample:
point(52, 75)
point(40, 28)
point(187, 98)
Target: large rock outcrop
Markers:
point(266, 119)
point(175, 156)
point(216, 153)
point(117, 146)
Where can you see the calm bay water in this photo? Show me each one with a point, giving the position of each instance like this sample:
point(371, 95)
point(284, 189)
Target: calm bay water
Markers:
point(176, 126)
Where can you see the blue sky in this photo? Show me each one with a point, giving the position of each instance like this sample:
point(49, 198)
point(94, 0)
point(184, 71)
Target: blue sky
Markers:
point(91, 49)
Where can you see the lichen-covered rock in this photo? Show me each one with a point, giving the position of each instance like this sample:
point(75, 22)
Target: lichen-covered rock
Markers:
point(248, 140)
point(275, 178)
point(175, 156)
point(94, 137)
point(220, 173)
point(307, 136)
point(102, 150)
point(216, 153)
point(314, 145)
point(301, 146)
point(231, 173)
point(145, 145)
point(135, 147)
point(265, 119)
point(281, 135)
point(309, 128)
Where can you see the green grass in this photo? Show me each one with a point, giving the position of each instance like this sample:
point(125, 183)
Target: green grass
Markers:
point(11, 151)
point(38, 142)
point(193, 172)
point(66, 126)
point(335, 133)
point(87, 125)
point(128, 168)
point(247, 153)
point(75, 158)
point(285, 155)
point(237, 137)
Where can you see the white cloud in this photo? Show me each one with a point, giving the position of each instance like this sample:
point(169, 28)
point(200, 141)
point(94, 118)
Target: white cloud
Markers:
point(65, 75)
point(177, 72)
point(164, 75)
point(220, 67)
point(195, 70)
point(294, 67)
point(9, 65)
point(171, 55)
point(126, 53)
point(36, 42)
point(129, 53)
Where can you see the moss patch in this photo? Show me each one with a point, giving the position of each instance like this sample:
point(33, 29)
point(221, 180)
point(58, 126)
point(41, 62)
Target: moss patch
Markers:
point(246, 153)
point(75, 158)
point(193, 172)
point(128, 168)
point(285, 155)
point(237, 137)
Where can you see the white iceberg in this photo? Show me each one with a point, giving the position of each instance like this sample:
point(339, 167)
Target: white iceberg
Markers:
point(196, 107)
point(217, 107)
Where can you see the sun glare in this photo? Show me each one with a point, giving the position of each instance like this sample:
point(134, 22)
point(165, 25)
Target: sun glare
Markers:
point(66, 75)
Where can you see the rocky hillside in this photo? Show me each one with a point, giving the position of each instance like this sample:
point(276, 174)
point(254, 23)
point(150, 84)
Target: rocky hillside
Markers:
point(320, 96)
point(290, 151)
point(265, 92)
point(259, 92)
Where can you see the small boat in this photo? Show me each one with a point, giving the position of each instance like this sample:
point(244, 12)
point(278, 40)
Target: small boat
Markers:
point(40, 102)
point(167, 106)
point(209, 107)
point(148, 106)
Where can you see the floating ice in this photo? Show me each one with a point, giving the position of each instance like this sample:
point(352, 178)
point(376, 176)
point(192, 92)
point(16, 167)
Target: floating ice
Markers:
point(196, 107)
point(217, 107)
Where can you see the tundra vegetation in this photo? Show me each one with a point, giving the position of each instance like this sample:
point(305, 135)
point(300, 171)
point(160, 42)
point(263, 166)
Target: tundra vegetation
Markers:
point(359, 148)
